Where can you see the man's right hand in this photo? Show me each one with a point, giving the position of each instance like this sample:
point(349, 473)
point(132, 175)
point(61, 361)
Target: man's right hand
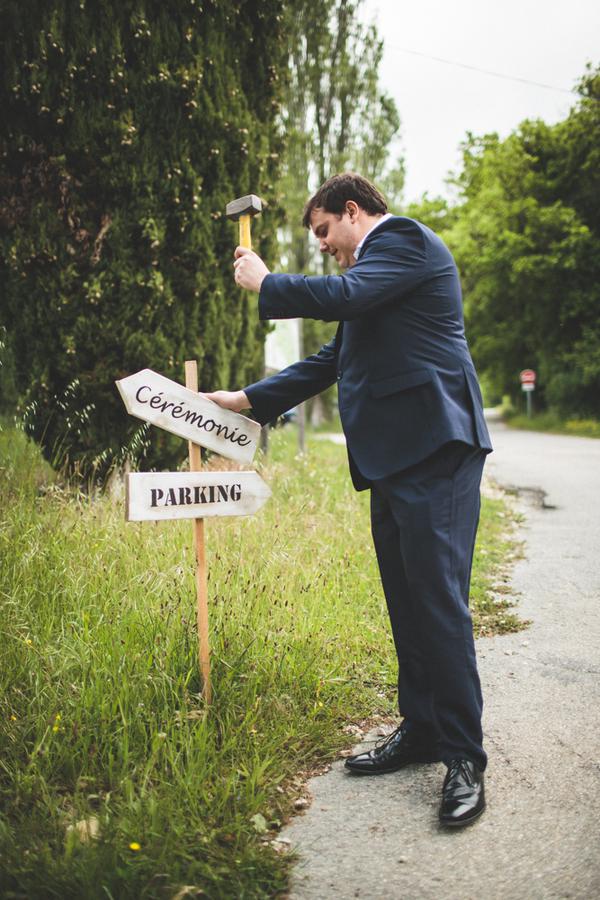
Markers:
point(234, 400)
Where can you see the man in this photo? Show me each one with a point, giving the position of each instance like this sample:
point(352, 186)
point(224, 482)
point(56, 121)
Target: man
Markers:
point(412, 414)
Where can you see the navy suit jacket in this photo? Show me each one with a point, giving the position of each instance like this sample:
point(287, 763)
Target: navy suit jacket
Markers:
point(406, 381)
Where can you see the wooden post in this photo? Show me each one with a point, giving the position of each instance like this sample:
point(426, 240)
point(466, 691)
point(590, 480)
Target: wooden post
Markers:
point(191, 382)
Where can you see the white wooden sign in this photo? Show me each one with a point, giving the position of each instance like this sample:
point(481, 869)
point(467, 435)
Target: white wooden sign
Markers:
point(171, 406)
point(192, 495)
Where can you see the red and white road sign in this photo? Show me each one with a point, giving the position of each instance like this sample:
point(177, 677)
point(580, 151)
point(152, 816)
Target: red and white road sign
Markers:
point(527, 376)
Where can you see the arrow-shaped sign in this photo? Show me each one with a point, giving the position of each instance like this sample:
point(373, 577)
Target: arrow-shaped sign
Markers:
point(171, 406)
point(191, 495)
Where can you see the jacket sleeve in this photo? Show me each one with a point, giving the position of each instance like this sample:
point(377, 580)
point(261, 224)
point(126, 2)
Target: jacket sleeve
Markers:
point(392, 265)
point(274, 395)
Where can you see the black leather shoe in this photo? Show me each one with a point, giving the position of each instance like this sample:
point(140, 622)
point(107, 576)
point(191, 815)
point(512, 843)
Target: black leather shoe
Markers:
point(401, 747)
point(463, 798)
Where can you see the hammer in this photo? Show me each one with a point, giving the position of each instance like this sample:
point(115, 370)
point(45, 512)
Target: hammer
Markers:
point(242, 209)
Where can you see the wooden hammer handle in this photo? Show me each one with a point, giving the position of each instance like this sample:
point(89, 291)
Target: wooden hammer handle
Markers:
point(245, 240)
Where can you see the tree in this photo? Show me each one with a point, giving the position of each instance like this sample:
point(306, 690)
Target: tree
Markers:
point(126, 131)
point(336, 117)
point(526, 237)
point(435, 212)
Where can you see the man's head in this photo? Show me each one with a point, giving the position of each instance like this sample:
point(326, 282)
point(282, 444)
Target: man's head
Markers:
point(341, 212)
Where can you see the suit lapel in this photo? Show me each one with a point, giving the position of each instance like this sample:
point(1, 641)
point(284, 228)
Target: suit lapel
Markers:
point(373, 234)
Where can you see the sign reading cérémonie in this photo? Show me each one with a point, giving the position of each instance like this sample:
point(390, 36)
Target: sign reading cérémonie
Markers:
point(171, 406)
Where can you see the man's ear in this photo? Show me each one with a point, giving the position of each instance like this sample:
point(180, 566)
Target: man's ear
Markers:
point(352, 209)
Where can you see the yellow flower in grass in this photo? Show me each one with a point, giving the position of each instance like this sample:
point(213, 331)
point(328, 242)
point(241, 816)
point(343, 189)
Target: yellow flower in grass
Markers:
point(135, 846)
point(56, 726)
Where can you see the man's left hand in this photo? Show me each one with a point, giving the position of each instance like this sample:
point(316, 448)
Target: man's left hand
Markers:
point(249, 269)
point(234, 400)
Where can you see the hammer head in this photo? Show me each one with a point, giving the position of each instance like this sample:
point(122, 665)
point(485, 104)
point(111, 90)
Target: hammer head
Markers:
point(249, 205)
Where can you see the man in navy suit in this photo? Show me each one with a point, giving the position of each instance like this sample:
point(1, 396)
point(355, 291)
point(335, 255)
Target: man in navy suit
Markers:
point(412, 414)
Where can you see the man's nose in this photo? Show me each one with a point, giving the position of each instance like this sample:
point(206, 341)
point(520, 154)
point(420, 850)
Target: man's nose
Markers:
point(323, 246)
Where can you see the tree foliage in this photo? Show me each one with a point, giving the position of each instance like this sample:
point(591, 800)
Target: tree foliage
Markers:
point(127, 127)
point(526, 236)
point(336, 117)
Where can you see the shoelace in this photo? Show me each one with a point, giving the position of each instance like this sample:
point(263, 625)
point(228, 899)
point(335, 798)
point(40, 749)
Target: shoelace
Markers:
point(457, 768)
point(385, 740)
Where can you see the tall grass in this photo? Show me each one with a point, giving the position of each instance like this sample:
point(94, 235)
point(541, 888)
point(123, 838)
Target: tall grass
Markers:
point(554, 423)
point(101, 720)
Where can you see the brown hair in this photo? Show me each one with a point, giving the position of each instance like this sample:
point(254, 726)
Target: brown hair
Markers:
point(334, 193)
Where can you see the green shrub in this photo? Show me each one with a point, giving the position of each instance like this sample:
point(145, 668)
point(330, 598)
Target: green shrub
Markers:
point(128, 126)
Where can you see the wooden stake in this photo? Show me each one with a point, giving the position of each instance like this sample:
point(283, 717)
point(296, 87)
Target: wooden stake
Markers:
point(191, 382)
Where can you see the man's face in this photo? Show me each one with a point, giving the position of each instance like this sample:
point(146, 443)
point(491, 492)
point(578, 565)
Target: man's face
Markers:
point(337, 235)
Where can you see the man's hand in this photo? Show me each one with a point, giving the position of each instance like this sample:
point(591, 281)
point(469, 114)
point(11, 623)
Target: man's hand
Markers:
point(235, 400)
point(249, 269)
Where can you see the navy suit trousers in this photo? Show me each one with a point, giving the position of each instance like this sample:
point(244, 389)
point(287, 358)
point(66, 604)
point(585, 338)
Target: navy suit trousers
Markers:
point(424, 522)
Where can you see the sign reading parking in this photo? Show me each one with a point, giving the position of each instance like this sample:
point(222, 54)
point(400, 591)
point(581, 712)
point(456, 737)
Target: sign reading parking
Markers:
point(194, 495)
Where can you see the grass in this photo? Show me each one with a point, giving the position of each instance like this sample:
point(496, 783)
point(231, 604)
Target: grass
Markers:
point(552, 422)
point(115, 781)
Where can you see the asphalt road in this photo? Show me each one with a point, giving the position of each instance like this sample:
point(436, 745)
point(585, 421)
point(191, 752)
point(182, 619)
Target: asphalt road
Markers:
point(379, 838)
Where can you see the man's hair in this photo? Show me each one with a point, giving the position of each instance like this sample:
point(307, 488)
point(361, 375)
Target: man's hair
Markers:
point(334, 193)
